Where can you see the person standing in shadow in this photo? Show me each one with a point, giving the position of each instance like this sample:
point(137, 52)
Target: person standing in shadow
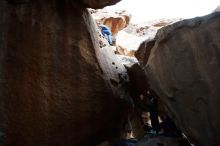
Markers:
point(153, 109)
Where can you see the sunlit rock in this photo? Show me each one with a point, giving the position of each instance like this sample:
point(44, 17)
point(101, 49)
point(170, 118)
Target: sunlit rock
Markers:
point(127, 60)
point(129, 39)
point(126, 44)
point(115, 20)
point(128, 36)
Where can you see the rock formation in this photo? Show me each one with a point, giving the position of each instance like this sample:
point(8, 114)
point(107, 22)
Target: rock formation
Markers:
point(128, 36)
point(54, 90)
point(115, 20)
point(129, 39)
point(184, 69)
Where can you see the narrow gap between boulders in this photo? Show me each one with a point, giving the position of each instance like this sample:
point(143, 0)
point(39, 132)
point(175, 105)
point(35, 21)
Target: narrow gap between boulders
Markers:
point(157, 127)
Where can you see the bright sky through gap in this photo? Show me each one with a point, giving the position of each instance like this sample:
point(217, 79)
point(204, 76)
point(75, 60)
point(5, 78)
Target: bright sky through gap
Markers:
point(146, 10)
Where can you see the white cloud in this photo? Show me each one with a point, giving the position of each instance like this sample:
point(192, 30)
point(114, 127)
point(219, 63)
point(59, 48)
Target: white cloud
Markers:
point(145, 10)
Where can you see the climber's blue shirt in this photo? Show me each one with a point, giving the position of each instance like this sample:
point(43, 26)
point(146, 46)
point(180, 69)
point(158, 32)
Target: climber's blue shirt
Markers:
point(106, 33)
point(105, 30)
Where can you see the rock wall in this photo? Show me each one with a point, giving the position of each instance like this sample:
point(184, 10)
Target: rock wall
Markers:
point(184, 69)
point(53, 91)
point(98, 3)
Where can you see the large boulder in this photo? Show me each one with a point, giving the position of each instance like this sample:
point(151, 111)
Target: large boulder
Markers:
point(54, 91)
point(184, 69)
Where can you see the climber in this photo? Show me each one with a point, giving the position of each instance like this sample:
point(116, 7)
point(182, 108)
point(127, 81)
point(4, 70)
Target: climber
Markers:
point(153, 107)
point(106, 33)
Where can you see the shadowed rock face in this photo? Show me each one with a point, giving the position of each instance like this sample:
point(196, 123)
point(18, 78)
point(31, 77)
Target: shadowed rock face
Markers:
point(98, 3)
point(144, 50)
point(83, 3)
point(184, 69)
point(53, 91)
